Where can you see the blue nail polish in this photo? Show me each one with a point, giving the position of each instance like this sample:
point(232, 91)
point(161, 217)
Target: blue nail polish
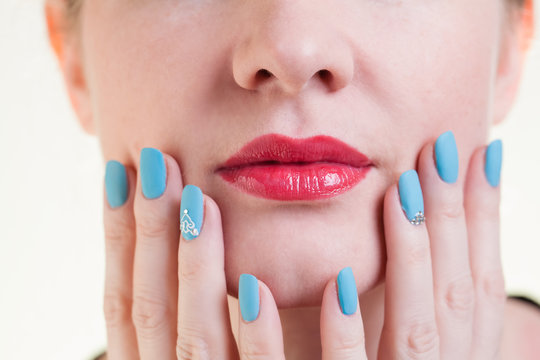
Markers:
point(493, 162)
point(116, 183)
point(248, 296)
point(191, 212)
point(410, 194)
point(153, 173)
point(348, 295)
point(446, 156)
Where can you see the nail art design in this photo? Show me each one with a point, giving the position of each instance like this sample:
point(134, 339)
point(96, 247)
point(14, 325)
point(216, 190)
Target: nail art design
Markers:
point(410, 194)
point(187, 225)
point(191, 212)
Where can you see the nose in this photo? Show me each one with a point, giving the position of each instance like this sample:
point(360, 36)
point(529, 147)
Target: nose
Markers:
point(289, 44)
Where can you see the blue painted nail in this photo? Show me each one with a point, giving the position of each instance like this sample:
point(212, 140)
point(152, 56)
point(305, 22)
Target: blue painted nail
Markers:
point(348, 296)
point(248, 296)
point(191, 212)
point(446, 156)
point(493, 162)
point(410, 194)
point(116, 183)
point(153, 173)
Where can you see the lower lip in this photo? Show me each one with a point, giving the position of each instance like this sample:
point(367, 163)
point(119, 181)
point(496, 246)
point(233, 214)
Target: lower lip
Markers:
point(295, 181)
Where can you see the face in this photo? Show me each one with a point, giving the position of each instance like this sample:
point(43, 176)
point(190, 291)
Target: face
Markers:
point(184, 77)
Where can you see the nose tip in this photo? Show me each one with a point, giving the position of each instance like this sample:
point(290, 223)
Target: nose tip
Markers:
point(288, 56)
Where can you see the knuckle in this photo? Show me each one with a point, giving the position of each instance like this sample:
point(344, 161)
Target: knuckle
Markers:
point(150, 316)
point(418, 254)
point(191, 344)
point(116, 309)
point(152, 224)
point(493, 288)
point(452, 209)
point(191, 269)
point(460, 296)
point(252, 350)
point(118, 233)
point(347, 347)
point(422, 340)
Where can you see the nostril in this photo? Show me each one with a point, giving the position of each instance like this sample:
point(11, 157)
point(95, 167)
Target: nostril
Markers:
point(324, 74)
point(263, 73)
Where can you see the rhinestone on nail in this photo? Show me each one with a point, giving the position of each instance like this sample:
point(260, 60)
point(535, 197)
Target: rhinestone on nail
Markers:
point(418, 219)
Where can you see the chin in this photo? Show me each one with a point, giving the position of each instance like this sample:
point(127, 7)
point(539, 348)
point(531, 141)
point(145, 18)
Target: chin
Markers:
point(295, 253)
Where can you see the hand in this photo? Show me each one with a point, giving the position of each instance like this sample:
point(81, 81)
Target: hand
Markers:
point(445, 292)
point(148, 265)
point(444, 289)
point(146, 318)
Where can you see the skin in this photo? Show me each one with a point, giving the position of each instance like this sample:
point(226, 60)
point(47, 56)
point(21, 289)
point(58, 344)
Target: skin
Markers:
point(181, 76)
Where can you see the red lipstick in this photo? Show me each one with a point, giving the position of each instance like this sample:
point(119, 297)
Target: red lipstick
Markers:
point(279, 167)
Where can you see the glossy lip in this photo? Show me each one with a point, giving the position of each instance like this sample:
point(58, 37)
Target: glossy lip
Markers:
point(279, 167)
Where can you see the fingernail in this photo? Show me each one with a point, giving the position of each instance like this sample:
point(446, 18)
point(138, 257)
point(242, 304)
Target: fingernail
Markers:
point(348, 296)
point(446, 157)
point(410, 194)
point(248, 296)
point(153, 173)
point(494, 162)
point(191, 212)
point(116, 183)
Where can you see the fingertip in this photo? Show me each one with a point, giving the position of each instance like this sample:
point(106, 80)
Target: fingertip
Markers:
point(268, 303)
point(119, 184)
point(248, 297)
point(173, 174)
point(347, 292)
point(333, 303)
point(480, 195)
point(493, 162)
point(393, 211)
point(211, 211)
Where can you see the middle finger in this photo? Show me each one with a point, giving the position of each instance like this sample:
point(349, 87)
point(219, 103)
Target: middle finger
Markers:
point(155, 279)
point(453, 283)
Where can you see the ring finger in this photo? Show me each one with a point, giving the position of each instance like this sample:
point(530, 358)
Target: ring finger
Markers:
point(453, 283)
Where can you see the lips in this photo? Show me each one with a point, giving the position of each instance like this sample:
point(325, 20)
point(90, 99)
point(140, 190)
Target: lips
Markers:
point(278, 167)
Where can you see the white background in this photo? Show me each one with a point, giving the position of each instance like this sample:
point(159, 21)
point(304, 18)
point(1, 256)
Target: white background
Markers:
point(51, 183)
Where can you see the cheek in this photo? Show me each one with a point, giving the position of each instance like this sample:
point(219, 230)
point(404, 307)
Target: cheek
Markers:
point(144, 75)
point(445, 83)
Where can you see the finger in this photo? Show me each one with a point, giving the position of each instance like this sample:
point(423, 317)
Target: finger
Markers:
point(342, 330)
point(119, 226)
point(482, 211)
point(259, 335)
point(409, 329)
point(155, 279)
point(447, 229)
point(204, 330)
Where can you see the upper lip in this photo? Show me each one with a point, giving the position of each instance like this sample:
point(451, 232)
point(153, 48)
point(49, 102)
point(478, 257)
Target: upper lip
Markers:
point(279, 148)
